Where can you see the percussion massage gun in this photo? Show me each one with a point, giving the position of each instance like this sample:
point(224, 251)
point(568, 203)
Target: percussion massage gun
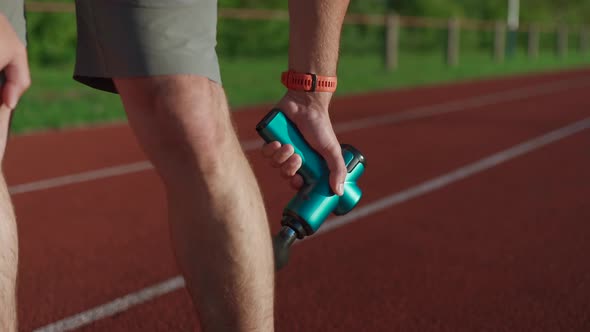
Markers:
point(315, 200)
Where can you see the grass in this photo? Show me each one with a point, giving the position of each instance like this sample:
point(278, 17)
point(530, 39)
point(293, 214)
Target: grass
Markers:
point(56, 101)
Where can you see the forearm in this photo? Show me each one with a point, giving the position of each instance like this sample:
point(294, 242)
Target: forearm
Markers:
point(314, 37)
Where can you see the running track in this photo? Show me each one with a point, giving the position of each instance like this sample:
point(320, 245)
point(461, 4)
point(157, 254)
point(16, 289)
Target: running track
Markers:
point(475, 218)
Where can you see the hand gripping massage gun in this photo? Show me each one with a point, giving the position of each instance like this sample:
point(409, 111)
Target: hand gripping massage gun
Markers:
point(312, 204)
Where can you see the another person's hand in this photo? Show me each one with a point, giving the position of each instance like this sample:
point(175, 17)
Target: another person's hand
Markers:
point(14, 64)
point(309, 112)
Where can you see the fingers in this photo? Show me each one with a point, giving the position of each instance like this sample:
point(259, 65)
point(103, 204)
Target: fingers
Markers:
point(291, 166)
point(268, 149)
point(297, 182)
point(284, 158)
point(18, 80)
point(282, 155)
point(277, 153)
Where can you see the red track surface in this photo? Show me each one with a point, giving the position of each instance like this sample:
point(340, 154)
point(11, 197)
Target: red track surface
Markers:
point(503, 250)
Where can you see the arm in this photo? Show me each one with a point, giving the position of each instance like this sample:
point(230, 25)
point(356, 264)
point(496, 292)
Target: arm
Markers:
point(314, 40)
point(314, 35)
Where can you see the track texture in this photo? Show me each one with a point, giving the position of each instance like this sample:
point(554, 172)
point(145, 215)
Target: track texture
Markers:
point(503, 250)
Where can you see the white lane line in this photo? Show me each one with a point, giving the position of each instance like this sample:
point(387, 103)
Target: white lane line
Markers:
point(114, 307)
point(456, 175)
point(123, 303)
point(98, 174)
point(462, 105)
point(80, 177)
point(367, 122)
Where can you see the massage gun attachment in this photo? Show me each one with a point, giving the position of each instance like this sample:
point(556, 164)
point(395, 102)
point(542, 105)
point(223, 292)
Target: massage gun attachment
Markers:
point(312, 204)
point(281, 244)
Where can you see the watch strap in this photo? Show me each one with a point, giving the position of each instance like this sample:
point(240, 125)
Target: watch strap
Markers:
point(308, 82)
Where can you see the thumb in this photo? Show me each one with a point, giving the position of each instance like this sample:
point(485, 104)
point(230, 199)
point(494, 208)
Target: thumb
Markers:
point(333, 156)
point(18, 80)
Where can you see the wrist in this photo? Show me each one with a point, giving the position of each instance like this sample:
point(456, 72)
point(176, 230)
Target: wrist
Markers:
point(310, 100)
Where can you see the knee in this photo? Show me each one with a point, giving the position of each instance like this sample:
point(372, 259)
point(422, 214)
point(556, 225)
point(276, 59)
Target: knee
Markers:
point(190, 123)
point(192, 120)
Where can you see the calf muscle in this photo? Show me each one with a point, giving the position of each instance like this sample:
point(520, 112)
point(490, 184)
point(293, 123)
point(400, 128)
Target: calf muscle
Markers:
point(217, 219)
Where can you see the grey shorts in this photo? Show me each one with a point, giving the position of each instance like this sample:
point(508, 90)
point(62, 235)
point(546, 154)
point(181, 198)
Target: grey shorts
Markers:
point(138, 38)
point(13, 11)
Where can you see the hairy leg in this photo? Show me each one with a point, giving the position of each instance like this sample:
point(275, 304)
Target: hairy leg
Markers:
point(218, 223)
point(8, 241)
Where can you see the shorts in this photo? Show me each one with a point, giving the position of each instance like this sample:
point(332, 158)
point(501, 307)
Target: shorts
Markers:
point(138, 38)
point(13, 11)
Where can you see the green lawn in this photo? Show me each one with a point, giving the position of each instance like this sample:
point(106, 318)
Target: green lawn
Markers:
point(55, 100)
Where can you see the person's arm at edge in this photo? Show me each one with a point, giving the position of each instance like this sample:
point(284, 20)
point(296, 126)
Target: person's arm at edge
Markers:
point(14, 63)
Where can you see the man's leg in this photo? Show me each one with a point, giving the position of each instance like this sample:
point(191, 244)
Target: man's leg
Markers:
point(8, 240)
point(217, 219)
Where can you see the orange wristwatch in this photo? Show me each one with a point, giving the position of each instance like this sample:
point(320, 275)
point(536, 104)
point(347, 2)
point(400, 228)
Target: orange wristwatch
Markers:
point(308, 82)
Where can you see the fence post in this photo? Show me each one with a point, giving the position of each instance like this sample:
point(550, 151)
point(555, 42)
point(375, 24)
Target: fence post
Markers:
point(533, 41)
point(453, 42)
point(391, 41)
point(499, 41)
point(584, 39)
point(562, 39)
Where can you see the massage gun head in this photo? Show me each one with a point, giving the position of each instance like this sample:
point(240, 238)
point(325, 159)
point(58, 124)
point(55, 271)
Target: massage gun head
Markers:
point(281, 245)
point(293, 228)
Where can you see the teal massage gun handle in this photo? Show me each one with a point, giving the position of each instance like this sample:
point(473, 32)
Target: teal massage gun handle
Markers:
point(312, 204)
